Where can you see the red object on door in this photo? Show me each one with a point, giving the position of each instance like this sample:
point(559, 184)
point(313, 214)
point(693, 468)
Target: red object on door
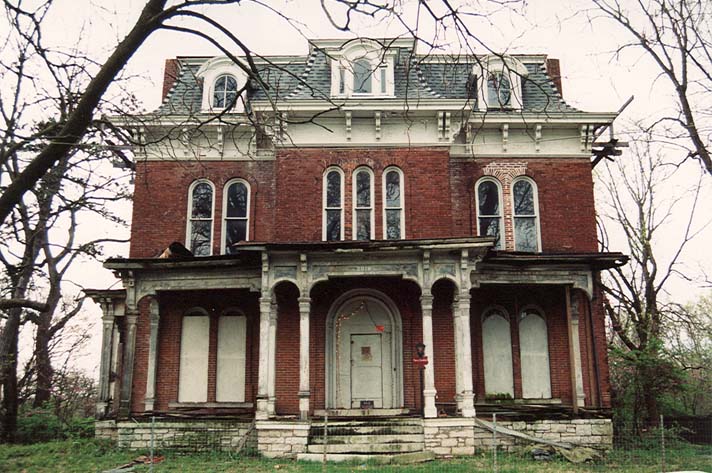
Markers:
point(420, 361)
point(380, 328)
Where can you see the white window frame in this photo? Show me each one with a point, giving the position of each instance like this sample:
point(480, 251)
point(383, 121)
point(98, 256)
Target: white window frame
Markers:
point(323, 200)
point(212, 91)
point(535, 192)
point(225, 218)
point(190, 219)
point(402, 201)
point(502, 242)
point(354, 203)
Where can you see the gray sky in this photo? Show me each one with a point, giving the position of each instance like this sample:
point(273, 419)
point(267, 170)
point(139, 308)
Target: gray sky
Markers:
point(594, 79)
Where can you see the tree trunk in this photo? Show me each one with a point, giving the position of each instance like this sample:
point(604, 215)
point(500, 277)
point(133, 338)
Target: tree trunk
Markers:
point(43, 364)
point(8, 375)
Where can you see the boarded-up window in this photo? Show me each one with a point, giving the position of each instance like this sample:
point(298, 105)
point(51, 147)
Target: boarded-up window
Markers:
point(231, 359)
point(394, 226)
point(497, 347)
point(194, 346)
point(534, 353)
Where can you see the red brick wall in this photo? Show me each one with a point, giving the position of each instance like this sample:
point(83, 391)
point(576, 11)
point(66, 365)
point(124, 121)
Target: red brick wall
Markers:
point(161, 201)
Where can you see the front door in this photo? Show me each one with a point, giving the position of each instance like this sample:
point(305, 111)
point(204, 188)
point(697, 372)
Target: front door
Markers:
point(366, 371)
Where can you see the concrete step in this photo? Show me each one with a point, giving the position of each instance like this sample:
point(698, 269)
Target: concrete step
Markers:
point(382, 429)
point(367, 448)
point(369, 439)
point(402, 459)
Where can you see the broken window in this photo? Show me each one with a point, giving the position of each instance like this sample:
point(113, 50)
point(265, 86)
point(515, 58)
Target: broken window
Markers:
point(363, 204)
point(333, 205)
point(525, 215)
point(393, 204)
point(236, 214)
point(489, 211)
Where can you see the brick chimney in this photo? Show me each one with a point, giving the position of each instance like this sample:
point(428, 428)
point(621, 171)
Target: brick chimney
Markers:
point(170, 74)
point(554, 70)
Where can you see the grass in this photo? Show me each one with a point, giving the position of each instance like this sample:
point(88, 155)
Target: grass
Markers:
point(96, 456)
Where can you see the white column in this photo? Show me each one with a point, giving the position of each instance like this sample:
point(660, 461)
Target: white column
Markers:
point(107, 342)
point(580, 396)
point(263, 370)
point(573, 337)
point(272, 375)
point(429, 392)
point(463, 352)
point(304, 394)
point(150, 397)
point(128, 364)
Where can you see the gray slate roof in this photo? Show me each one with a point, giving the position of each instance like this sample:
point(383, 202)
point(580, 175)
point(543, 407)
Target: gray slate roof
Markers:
point(310, 78)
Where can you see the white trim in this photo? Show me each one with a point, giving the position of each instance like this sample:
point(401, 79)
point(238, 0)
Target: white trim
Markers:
point(535, 192)
point(210, 71)
point(189, 214)
point(502, 242)
point(323, 200)
point(223, 233)
point(343, 59)
point(509, 66)
point(354, 204)
point(402, 200)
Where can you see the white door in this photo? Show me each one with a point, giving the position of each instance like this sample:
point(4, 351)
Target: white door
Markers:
point(366, 370)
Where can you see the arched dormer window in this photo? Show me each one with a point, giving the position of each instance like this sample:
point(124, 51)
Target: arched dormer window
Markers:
point(236, 214)
point(499, 82)
point(362, 68)
point(489, 210)
point(393, 204)
point(222, 80)
point(525, 215)
point(363, 204)
point(333, 198)
point(199, 232)
point(225, 92)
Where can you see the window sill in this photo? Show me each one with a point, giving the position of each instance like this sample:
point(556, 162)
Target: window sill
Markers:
point(211, 405)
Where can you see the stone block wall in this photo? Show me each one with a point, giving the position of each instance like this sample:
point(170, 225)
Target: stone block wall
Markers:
point(453, 436)
point(186, 436)
point(282, 439)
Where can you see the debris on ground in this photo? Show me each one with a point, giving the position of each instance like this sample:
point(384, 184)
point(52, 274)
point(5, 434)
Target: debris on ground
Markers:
point(140, 460)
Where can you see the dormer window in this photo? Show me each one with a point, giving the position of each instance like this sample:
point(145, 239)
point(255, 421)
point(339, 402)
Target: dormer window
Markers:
point(362, 68)
point(224, 91)
point(498, 83)
point(222, 80)
point(499, 90)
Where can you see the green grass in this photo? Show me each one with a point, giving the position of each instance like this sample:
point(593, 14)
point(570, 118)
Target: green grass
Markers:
point(96, 456)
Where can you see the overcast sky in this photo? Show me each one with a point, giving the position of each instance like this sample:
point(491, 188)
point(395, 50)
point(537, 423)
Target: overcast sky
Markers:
point(594, 79)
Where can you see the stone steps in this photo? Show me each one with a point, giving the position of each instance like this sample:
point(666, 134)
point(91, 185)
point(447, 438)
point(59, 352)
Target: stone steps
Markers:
point(379, 437)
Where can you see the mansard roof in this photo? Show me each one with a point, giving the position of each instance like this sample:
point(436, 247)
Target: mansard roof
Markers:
point(416, 77)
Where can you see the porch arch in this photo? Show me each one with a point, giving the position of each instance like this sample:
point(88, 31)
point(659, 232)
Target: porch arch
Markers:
point(336, 397)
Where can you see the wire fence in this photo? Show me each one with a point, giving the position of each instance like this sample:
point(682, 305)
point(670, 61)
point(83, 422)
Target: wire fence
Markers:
point(494, 444)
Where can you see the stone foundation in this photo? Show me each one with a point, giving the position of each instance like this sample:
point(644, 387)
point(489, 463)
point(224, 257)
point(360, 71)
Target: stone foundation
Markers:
point(282, 439)
point(185, 436)
point(460, 436)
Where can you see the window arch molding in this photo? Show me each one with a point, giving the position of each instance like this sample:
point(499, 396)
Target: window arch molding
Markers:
point(211, 71)
point(197, 220)
point(332, 204)
point(196, 311)
point(490, 215)
point(525, 215)
point(363, 204)
point(394, 205)
point(231, 223)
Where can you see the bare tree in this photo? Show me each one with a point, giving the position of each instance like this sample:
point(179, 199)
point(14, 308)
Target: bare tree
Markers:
point(642, 207)
point(677, 37)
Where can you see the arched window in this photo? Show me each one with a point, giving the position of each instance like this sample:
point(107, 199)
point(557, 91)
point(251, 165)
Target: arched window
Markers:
point(534, 355)
point(236, 214)
point(224, 91)
point(333, 197)
point(393, 205)
point(497, 350)
point(489, 211)
point(499, 90)
point(525, 215)
point(200, 218)
point(230, 376)
point(194, 349)
point(362, 76)
point(363, 204)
